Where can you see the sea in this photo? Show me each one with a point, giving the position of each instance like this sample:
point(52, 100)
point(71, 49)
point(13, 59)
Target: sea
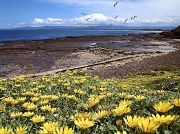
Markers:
point(40, 33)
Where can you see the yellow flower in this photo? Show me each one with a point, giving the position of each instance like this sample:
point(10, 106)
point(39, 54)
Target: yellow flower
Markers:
point(2, 108)
point(125, 102)
point(73, 97)
point(176, 102)
point(38, 118)
point(6, 130)
point(14, 102)
point(100, 115)
point(53, 110)
point(36, 94)
point(21, 130)
point(3, 89)
point(102, 96)
point(65, 130)
point(22, 99)
point(160, 91)
point(26, 104)
point(35, 99)
point(84, 123)
point(102, 89)
point(44, 102)
point(41, 86)
point(64, 95)
point(50, 127)
point(118, 132)
point(131, 121)
point(81, 115)
point(129, 96)
point(76, 82)
point(122, 95)
point(15, 115)
point(139, 97)
point(92, 101)
point(44, 97)
point(10, 100)
point(147, 125)
point(28, 93)
point(162, 119)
point(79, 92)
point(44, 131)
point(54, 97)
point(35, 88)
point(143, 90)
point(110, 94)
point(162, 106)
point(46, 108)
point(121, 109)
point(28, 114)
point(17, 85)
point(92, 87)
point(53, 84)
point(175, 117)
point(60, 118)
point(31, 106)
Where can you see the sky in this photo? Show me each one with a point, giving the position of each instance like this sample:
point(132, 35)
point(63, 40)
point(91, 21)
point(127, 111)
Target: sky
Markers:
point(36, 13)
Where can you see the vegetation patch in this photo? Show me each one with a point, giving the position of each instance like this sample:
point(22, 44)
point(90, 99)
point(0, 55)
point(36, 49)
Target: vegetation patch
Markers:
point(176, 31)
point(77, 102)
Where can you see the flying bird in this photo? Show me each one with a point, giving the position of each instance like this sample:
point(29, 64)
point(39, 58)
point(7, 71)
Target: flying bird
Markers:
point(87, 18)
point(133, 17)
point(84, 13)
point(111, 24)
point(125, 21)
point(116, 4)
point(116, 17)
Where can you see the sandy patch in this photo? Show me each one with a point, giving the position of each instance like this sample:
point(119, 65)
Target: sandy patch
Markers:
point(77, 59)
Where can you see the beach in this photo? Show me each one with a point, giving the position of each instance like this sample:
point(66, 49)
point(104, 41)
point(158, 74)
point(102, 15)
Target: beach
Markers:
point(105, 56)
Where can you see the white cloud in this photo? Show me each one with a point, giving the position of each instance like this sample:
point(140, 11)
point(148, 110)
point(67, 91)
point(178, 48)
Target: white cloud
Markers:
point(92, 19)
point(51, 21)
point(38, 20)
point(101, 19)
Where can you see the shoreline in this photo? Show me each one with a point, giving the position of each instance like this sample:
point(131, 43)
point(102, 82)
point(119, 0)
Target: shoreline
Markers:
point(33, 57)
point(102, 64)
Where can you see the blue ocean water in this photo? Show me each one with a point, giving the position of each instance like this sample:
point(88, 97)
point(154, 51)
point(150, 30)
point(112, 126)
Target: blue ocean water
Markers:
point(47, 33)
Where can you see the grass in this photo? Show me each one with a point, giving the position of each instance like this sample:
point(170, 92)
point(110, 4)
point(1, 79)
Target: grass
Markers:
point(66, 98)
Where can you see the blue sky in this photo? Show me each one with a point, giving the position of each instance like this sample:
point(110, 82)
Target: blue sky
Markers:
point(22, 13)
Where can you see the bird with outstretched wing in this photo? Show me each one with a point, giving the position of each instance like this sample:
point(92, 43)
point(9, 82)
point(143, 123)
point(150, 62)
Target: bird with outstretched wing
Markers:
point(116, 4)
point(125, 21)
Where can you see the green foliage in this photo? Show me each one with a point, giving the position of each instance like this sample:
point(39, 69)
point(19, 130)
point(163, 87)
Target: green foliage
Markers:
point(150, 73)
point(168, 68)
point(176, 31)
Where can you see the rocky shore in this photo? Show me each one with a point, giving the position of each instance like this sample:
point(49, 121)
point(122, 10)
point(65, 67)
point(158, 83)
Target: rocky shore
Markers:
point(106, 56)
point(138, 66)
